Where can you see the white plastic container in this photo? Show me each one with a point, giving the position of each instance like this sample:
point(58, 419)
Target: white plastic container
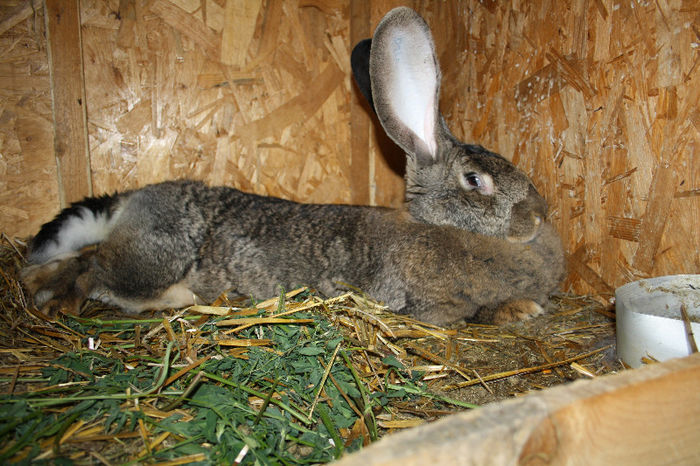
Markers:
point(649, 322)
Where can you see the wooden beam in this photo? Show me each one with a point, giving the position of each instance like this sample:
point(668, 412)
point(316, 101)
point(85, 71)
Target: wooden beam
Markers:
point(68, 94)
point(644, 416)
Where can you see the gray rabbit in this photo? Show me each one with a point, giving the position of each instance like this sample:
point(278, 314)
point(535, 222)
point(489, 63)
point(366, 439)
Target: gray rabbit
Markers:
point(470, 242)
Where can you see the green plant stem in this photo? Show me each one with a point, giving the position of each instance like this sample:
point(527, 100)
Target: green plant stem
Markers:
point(368, 415)
point(417, 391)
point(330, 427)
point(70, 399)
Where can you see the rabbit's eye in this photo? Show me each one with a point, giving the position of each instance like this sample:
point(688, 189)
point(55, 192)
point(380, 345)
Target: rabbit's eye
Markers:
point(473, 180)
point(482, 183)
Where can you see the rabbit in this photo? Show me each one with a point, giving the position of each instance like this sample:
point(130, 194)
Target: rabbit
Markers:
point(470, 242)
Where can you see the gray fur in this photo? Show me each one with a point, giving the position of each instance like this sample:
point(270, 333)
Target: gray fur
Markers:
point(458, 249)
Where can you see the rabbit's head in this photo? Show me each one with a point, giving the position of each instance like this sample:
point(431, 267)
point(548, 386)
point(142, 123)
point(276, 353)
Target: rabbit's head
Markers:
point(447, 182)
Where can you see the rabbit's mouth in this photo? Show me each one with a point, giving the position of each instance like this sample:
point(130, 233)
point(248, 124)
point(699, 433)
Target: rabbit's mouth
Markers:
point(519, 233)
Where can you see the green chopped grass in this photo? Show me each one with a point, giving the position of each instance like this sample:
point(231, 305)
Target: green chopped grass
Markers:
point(298, 399)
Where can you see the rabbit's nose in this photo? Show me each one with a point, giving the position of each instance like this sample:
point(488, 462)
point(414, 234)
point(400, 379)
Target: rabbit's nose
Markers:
point(524, 226)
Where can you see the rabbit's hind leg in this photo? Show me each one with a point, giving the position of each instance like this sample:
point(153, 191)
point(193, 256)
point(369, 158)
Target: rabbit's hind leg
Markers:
point(61, 284)
point(139, 271)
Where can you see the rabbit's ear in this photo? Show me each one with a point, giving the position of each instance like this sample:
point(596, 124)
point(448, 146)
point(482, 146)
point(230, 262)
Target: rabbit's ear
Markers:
point(359, 60)
point(406, 83)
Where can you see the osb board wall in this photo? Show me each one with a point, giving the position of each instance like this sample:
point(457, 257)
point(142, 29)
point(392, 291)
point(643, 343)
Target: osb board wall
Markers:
point(596, 100)
point(249, 93)
point(28, 177)
point(599, 102)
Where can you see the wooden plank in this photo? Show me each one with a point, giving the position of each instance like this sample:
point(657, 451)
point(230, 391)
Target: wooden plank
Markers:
point(359, 113)
point(68, 90)
point(644, 416)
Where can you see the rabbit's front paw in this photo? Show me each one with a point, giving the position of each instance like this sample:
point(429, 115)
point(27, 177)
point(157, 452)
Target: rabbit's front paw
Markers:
point(519, 309)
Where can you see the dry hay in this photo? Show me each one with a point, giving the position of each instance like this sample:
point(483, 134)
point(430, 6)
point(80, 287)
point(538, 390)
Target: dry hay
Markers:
point(386, 372)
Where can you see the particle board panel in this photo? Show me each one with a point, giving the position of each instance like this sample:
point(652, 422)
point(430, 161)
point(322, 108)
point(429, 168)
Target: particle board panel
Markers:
point(28, 172)
point(596, 101)
point(254, 95)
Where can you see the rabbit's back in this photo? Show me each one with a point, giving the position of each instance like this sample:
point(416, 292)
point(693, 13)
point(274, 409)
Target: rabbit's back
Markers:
point(218, 238)
point(267, 242)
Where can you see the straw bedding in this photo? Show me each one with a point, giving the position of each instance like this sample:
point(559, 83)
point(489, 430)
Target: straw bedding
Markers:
point(296, 378)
